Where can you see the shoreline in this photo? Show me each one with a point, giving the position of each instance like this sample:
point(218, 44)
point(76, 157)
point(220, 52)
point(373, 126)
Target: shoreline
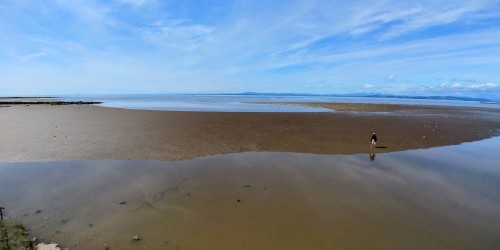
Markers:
point(48, 103)
point(87, 132)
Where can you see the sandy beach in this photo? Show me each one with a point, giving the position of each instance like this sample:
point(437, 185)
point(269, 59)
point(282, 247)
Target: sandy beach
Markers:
point(48, 133)
point(311, 180)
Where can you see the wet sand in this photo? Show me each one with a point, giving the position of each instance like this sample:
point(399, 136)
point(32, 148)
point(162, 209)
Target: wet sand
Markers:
point(433, 198)
point(440, 198)
point(48, 133)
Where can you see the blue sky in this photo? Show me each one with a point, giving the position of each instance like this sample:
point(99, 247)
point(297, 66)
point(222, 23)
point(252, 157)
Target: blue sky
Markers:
point(208, 46)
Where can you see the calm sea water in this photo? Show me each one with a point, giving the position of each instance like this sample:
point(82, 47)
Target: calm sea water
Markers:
point(242, 103)
point(438, 198)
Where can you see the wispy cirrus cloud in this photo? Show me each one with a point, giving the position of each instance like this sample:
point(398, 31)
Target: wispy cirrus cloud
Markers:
point(176, 34)
point(251, 46)
point(134, 2)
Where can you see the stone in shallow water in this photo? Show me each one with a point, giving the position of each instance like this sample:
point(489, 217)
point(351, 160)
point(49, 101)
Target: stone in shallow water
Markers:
point(51, 246)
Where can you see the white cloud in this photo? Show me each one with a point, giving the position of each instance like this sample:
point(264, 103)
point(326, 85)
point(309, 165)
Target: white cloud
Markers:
point(390, 77)
point(374, 19)
point(36, 55)
point(316, 86)
point(177, 34)
point(435, 15)
point(481, 86)
point(134, 2)
point(446, 85)
point(484, 86)
point(88, 12)
point(369, 86)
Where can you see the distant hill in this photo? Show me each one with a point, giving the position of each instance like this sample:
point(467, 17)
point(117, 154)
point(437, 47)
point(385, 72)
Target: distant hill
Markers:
point(453, 98)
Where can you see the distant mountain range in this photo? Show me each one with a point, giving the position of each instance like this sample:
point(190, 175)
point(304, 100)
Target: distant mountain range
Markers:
point(371, 95)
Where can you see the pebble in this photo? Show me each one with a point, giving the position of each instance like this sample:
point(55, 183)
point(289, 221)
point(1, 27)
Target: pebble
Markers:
point(136, 238)
point(51, 246)
point(424, 137)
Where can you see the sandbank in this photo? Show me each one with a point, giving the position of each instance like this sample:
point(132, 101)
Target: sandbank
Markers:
point(48, 133)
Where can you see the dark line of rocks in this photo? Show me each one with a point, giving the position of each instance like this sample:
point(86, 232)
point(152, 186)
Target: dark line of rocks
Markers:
point(49, 103)
point(30, 97)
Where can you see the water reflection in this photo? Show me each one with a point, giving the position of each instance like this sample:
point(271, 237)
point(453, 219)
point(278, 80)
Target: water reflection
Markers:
point(412, 199)
point(372, 156)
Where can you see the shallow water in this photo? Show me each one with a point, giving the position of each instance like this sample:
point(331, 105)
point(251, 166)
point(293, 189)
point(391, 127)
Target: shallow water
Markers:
point(242, 103)
point(439, 198)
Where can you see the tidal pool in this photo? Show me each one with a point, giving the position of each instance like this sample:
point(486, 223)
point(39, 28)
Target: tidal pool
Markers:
point(438, 198)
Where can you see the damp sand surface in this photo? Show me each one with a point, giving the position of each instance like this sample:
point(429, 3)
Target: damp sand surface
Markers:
point(51, 133)
point(438, 198)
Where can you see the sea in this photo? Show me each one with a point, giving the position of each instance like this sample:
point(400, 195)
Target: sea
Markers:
point(253, 102)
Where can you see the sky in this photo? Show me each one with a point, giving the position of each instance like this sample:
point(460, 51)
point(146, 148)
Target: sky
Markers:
point(420, 47)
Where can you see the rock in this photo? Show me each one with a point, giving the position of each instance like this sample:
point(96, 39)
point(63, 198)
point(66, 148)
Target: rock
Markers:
point(122, 202)
point(424, 137)
point(51, 246)
point(136, 238)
